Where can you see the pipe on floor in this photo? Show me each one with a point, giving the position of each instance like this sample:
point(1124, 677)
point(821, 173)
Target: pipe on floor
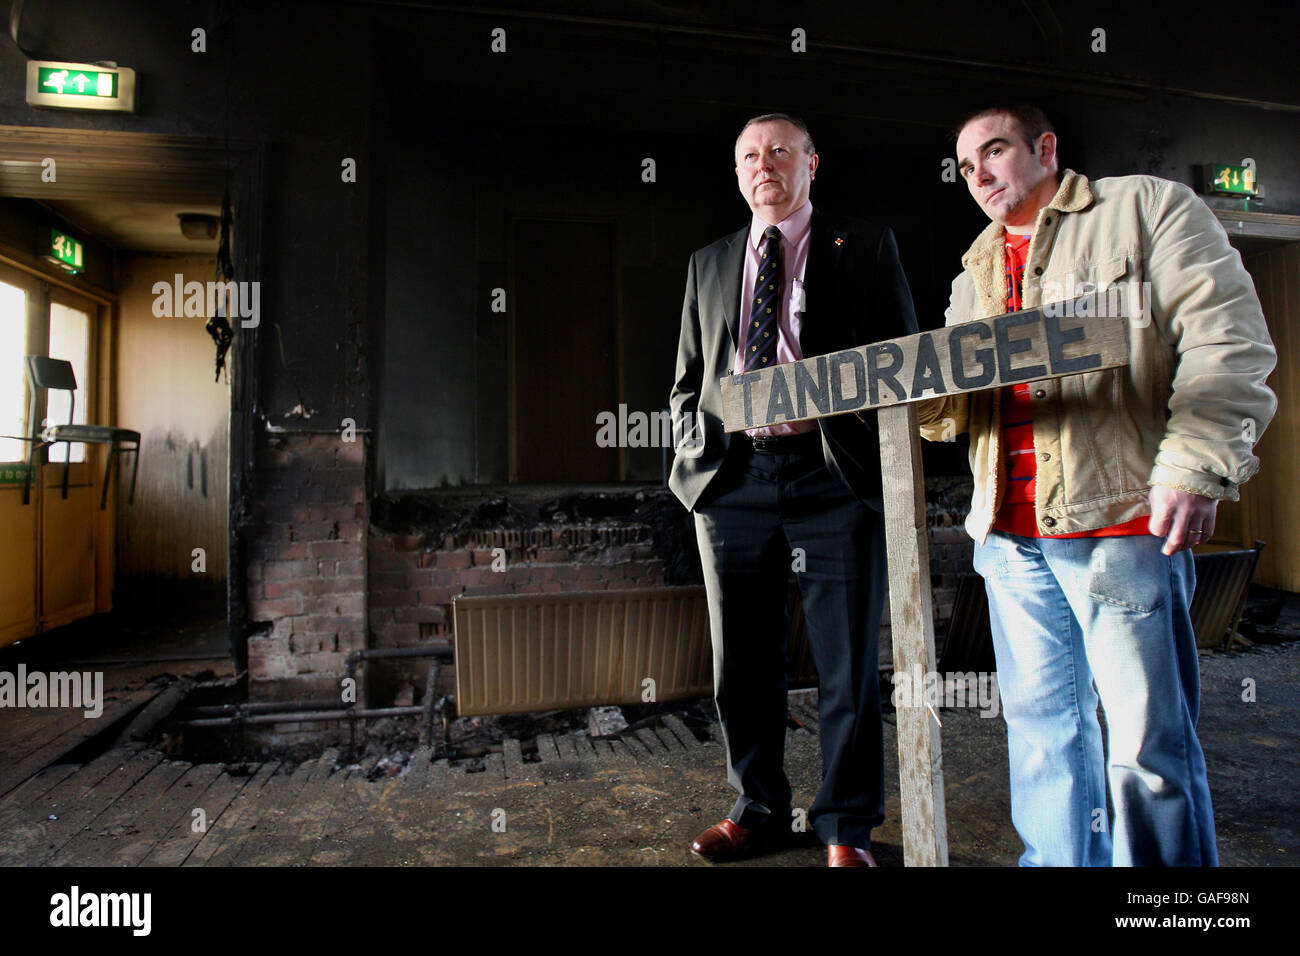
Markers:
point(260, 706)
point(301, 717)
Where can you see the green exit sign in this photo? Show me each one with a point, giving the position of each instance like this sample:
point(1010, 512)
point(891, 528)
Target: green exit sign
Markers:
point(65, 251)
point(77, 82)
point(80, 86)
point(1232, 180)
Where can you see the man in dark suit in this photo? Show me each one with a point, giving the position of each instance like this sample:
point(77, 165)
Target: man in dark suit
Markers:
point(792, 284)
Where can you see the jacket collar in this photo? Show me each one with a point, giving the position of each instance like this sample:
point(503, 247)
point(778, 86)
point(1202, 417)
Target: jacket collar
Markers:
point(985, 259)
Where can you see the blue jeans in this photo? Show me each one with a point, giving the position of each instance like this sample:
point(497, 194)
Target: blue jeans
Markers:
point(1073, 620)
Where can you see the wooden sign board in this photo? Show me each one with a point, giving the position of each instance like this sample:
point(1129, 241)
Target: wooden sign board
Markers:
point(1049, 342)
point(1058, 339)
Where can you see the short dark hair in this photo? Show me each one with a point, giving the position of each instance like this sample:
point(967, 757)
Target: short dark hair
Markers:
point(1031, 121)
point(794, 121)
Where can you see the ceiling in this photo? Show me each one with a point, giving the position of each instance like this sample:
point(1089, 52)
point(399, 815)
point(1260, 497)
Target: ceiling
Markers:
point(136, 225)
point(125, 189)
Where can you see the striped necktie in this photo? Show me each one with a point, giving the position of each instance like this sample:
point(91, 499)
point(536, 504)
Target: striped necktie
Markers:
point(761, 332)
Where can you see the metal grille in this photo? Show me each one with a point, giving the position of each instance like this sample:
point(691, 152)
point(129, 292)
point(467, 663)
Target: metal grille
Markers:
point(1222, 583)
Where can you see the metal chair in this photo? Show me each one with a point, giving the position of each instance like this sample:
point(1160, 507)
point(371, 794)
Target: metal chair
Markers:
point(44, 372)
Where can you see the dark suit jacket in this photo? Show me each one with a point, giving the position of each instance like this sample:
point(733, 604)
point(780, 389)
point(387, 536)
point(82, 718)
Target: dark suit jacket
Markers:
point(855, 294)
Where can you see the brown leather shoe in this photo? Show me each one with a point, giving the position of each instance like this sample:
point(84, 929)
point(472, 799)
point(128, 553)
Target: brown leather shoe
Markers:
point(837, 855)
point(724, 841)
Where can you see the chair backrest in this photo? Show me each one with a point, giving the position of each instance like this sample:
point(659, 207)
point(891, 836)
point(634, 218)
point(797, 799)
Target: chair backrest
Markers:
point(46, 372)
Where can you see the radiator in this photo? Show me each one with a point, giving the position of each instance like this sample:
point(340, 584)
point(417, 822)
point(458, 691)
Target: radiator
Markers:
point(1222, 583)
point(525, 652)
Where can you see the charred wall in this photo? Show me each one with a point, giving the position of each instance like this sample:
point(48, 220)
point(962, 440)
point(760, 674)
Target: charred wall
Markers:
point(166, 390)
point(377, 294)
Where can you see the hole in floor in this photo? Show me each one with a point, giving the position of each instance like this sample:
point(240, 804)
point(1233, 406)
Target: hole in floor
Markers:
point(383, 747)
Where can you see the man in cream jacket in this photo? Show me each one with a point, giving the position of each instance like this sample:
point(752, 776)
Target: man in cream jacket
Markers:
point(1091, 489)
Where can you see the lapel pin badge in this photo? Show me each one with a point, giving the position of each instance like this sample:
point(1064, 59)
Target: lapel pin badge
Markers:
point(839, 240)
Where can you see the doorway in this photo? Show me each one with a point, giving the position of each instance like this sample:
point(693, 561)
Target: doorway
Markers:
point(564, 347)
point(55, 567)
point(147, 370)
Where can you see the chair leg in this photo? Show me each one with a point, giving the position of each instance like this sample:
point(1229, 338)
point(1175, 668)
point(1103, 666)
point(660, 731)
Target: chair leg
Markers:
point(108, 470)
point(31, 469)
point(135, 468)
point(36, 441)
point(67, 466)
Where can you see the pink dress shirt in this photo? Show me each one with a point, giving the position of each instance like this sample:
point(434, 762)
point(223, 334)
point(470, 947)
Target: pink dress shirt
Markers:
point(795, 231)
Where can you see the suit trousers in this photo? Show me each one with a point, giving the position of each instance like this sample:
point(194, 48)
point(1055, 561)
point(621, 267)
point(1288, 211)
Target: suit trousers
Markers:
point(763, 516)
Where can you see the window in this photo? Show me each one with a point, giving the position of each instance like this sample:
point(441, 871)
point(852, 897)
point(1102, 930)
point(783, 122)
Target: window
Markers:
point(70, 340)
point(38, 318)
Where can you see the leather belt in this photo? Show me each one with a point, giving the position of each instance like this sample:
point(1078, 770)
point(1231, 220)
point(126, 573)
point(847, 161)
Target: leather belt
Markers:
point(803, 443)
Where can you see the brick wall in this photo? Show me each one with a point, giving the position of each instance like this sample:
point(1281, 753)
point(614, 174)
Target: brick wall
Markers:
point(323, 580)
point(413, 579)
point(951, 548)
point(306, 574)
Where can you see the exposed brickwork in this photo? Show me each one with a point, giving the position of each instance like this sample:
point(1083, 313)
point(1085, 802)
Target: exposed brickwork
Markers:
point(413, 580)
point(323, 581)
point(951, 549)
point(307, 559)
point(412, 585)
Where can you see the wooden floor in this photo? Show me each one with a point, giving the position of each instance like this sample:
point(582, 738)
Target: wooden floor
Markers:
point(135, 807)
point(638, 800)
point(34, 739)
point(138, 653)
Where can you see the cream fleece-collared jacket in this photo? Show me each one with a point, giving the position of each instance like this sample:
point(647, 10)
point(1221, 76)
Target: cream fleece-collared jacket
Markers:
point(1187, 409)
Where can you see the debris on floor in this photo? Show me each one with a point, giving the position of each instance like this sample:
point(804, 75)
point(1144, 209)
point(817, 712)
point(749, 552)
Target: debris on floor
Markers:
point(605, 721)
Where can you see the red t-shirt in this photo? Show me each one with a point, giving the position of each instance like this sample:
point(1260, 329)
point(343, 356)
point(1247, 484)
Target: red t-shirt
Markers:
point(1016, 515)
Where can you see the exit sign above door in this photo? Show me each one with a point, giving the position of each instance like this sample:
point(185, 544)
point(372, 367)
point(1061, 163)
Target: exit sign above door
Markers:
point(80, 86)
point(63, 250)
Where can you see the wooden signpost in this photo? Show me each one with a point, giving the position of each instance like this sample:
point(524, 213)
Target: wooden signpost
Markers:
point(1036, 344)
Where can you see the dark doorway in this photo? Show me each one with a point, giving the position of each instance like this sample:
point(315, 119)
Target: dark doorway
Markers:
point(564, 350)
